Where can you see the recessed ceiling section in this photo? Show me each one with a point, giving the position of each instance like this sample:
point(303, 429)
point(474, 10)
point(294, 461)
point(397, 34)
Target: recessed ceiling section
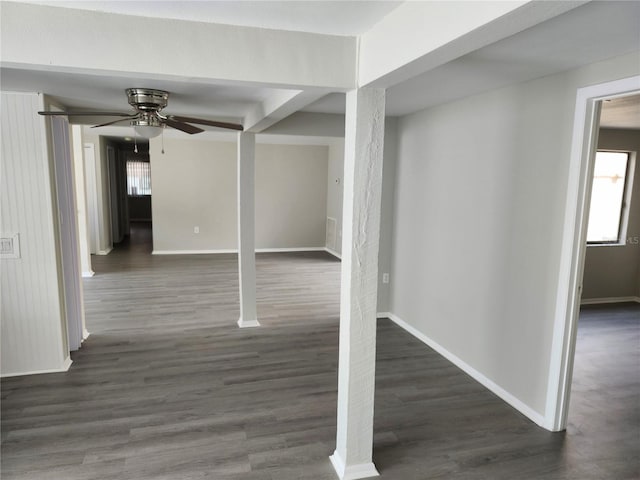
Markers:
point(621, 112)
point(332, 103)
point(587, 34)
point(102, 92)
point(347, 18)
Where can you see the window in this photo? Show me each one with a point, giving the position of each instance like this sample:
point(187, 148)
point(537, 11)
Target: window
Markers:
point(608, 198)
point(138, 178)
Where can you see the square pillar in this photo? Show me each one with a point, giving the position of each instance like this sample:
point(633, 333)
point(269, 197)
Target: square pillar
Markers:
point(246, 229)
point(364, 141)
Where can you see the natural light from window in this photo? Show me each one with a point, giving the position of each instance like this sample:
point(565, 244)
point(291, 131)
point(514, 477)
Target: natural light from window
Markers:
point(607, 197)
point(138, 178)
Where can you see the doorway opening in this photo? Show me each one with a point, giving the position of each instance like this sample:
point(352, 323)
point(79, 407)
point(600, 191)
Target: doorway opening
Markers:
point(589, 102)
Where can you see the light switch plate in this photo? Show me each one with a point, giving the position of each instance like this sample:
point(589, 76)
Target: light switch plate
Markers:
point(9, 245)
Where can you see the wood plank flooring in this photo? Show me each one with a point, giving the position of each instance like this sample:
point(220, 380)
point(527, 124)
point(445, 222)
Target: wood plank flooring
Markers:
point(167, 387)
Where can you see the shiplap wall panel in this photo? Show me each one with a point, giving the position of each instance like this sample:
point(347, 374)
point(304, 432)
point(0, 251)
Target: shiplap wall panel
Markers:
point(30, 307)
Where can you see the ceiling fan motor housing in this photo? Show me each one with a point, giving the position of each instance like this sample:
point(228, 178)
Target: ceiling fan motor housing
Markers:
point(147, 99)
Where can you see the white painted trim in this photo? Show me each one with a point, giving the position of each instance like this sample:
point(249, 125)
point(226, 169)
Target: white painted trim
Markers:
point(235, 250)
point(383, 315)
point(519, 405)
point(573, 248)
point(598, 301)
point(296, 249)
point(248, 323)
point(88, 274)
point(63, 368)
point(85, 334)
point(105, 252)
point(332, 252)
point(352, 472)
point(193, 252)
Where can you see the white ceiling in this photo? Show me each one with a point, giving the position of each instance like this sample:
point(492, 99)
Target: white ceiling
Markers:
point(622, 112)
point(103, 92)
point(349, 18)
point(586, 34)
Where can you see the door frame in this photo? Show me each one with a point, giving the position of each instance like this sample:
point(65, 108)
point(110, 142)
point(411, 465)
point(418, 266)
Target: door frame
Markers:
point(573, 250)
point(68, 232)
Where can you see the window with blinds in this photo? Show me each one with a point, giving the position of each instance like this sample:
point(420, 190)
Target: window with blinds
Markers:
point(138, 178)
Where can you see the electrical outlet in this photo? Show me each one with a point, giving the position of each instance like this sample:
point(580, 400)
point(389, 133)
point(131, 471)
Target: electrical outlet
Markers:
point(9, 245)
point(6, 246)
point(385, 278)
point(196, 229)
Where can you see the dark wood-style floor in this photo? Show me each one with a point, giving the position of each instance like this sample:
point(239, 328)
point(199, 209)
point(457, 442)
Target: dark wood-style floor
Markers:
point(167, 387)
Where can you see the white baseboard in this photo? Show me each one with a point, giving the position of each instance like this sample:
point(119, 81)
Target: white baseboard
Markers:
point(469, 370)
point(88, 274)
point(104, 252)
point(235, 250)
point(192, 252)
point(352, 472)
point(332, 252)
point(383, 315)
point(85, 334)
point(597, 301)
point(63, 368)
point(283, 250)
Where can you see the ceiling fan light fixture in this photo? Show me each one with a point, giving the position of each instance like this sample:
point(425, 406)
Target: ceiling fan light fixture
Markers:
point(147, 131)
point(149, 126)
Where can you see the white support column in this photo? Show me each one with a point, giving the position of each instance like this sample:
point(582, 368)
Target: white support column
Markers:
point(364, 139)
point(246, 229)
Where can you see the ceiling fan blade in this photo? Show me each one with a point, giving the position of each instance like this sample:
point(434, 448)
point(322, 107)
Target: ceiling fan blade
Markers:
point(116, 121)
point(72, 113)
point(185, 127)
point(202, 121)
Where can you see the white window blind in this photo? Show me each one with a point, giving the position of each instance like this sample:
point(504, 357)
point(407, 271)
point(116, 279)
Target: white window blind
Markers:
point(138, 178)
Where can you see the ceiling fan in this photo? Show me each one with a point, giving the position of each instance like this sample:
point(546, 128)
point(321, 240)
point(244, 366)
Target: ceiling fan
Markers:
point(147, 120)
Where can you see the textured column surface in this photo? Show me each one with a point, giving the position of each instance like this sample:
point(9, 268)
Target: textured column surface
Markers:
point(246, 229)
point(364, 137)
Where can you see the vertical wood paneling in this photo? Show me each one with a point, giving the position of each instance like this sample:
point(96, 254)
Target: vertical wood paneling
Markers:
point(32, 337)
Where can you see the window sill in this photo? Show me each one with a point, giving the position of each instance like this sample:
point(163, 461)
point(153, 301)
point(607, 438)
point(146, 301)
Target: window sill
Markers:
point(617, 244)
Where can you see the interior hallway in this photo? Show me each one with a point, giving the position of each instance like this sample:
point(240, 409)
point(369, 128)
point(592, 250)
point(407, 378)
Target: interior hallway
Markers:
point(167, 387)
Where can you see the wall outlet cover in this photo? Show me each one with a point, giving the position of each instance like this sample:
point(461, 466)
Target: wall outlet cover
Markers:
point(9, 245)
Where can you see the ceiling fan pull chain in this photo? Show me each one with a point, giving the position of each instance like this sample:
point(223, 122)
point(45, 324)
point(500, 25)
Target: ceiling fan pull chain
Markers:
point(135, 142)
point(163, 127)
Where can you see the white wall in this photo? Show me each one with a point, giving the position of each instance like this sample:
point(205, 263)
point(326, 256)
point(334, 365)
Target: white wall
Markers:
point(194, 184)
point(99, 183)
point(81, 200)
point(291, 196)
point(334, 191)
point(481, 185)
point(386, 211)
point(334, 202)
point(33, 332)
point(612, 271)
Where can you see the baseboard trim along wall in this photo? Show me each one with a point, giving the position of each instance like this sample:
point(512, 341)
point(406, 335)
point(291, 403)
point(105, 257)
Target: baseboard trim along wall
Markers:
point(235, 250)
point(192, 252)
point(104, 252)
point(88, 274)
point(468, 369)
point(597, 301)
point(65, 366)
point(332, 252)
point(279, 250)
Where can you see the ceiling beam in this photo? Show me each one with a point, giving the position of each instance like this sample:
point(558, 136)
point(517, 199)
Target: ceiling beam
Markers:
point(278, 106)
point(70, 40)
point(419, 36)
